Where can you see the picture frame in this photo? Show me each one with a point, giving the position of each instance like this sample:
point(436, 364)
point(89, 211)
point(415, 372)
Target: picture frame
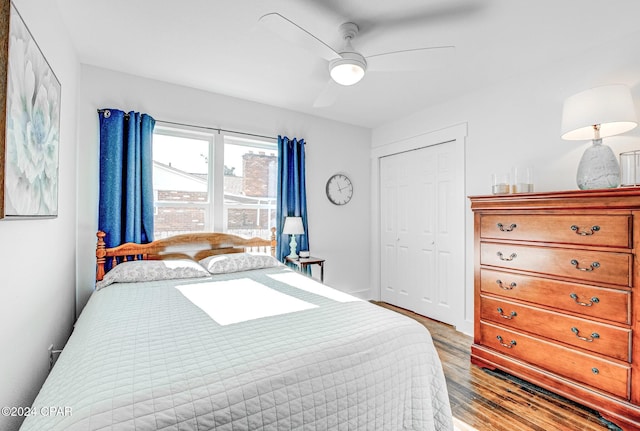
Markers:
point(30, 94)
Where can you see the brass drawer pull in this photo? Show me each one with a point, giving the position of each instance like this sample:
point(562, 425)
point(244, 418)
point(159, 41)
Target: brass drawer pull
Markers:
point(593, 266)
point(585, 232)
point(509, 229)
point(504, 316)
point(507, 259)
point(594, 335)
point(593, 300)
point(511, 286)
point(508, 346)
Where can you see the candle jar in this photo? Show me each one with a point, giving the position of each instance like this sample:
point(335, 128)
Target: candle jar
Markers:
point(522, 180)
point(500, 184)
point(630, 168)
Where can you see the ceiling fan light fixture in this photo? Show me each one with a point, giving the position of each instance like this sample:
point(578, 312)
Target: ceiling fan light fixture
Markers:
point(349, 69)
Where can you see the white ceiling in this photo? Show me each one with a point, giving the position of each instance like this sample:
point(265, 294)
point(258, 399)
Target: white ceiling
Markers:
point(218, 45)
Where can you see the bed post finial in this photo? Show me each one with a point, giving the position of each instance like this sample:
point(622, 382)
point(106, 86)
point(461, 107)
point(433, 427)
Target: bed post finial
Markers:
point(273, 241)
point(100, 255)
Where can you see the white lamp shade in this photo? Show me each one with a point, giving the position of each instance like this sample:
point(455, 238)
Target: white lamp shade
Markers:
point(293, 226)
point(610, 106)
point(346, 72)
point(350, 68)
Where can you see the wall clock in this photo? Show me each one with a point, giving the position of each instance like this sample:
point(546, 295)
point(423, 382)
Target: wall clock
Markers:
point(339, 189)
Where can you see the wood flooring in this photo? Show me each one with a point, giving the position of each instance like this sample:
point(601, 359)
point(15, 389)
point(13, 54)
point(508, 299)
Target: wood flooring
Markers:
point(492, 401)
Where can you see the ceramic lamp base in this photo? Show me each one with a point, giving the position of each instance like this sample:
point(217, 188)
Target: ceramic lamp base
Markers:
point(598, 168)
point(292, 248)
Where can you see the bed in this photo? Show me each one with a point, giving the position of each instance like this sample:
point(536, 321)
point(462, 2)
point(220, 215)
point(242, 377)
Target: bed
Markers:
point(245, 344)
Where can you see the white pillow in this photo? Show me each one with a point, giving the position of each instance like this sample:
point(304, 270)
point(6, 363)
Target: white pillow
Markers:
point(234, 262)
point(151, 270)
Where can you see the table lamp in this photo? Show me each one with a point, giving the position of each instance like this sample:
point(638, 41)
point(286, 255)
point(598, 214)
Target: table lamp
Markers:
point(595, 114)
point(293, 226)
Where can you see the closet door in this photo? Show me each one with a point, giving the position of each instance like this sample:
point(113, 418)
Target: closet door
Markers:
point(422, 231)
point(396, 219)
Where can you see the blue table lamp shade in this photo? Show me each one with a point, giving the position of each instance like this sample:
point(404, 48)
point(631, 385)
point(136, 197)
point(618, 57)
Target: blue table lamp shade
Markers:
point(595, 114)
point(293, 226)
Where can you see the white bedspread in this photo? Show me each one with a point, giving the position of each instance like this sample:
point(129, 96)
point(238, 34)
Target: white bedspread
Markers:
point(143, 356)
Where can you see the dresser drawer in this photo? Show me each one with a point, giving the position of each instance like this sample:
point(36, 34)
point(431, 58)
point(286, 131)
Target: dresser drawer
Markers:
point(586, 265)
point(608, 376)
point(590, 229)
point(586, 334)
point(590, 301)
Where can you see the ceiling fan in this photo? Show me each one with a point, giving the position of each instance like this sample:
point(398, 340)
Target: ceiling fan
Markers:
point(346, 65)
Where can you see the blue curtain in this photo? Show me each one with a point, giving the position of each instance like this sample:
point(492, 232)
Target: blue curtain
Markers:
point(292, 193)
point(126, 187)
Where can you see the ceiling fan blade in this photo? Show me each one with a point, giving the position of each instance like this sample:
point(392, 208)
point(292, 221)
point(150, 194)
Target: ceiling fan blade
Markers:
point(328, 96)
point(411, 59)
point(292, 32)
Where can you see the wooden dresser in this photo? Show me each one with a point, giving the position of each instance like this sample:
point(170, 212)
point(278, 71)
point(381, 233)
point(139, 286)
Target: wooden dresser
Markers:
point(556, 294)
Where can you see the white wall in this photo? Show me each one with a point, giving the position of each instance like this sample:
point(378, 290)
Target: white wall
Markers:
point(37, 257)
point(517, 122)
point(335, 232)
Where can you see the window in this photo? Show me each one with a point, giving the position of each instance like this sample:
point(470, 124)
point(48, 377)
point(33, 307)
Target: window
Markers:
point(250, 181)
point(209, 181)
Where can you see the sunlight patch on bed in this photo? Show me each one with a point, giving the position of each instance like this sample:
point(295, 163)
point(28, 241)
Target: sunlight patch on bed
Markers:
point(234, 301)
point(309, 285)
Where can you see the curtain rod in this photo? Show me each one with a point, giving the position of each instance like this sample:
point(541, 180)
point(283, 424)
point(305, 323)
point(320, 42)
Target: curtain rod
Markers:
point(215, 129)
point(219, 130)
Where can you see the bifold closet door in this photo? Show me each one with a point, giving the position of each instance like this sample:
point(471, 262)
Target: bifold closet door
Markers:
point(422, 231)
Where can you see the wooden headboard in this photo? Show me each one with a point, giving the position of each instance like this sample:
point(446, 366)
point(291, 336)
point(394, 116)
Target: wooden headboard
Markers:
point(193, 246)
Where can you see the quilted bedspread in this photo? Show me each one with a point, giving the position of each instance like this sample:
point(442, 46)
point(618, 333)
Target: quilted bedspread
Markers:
point(155, 356)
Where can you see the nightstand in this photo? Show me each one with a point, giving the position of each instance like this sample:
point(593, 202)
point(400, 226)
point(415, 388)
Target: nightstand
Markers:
point(302, 262)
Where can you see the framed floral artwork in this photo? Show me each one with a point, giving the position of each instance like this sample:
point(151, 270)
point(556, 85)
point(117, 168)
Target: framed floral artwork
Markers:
point(29, 122)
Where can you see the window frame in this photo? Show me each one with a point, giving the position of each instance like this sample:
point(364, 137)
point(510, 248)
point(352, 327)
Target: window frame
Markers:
point(215, 209)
